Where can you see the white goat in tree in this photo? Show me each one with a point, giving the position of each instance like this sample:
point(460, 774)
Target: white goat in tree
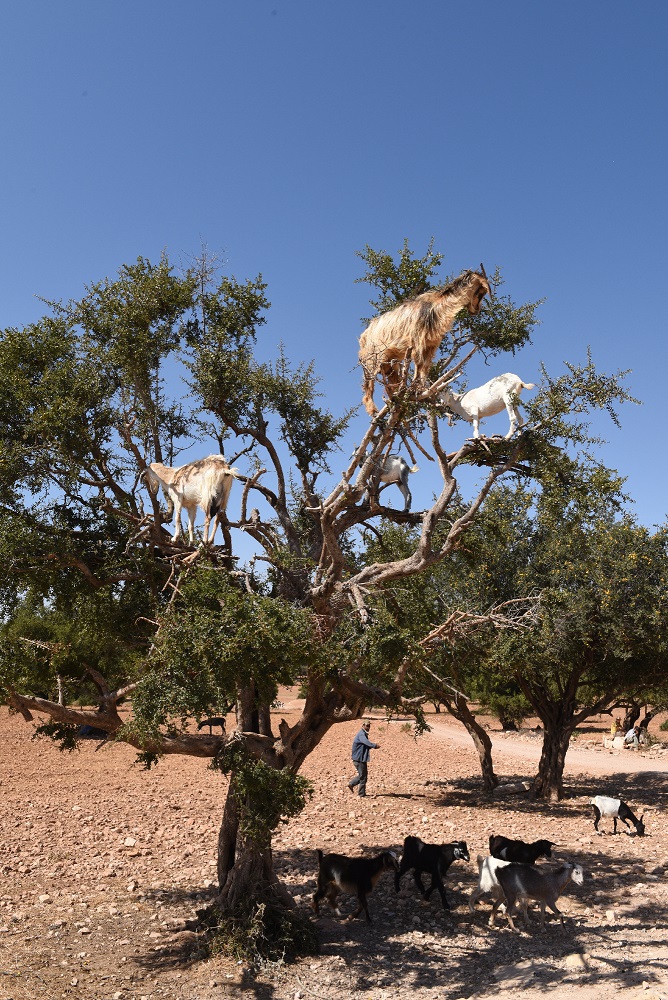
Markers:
point(499, 393)
point(205, 483)
point(394, 469)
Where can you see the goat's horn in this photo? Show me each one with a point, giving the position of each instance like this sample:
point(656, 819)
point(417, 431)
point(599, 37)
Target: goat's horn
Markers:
point(484, 274)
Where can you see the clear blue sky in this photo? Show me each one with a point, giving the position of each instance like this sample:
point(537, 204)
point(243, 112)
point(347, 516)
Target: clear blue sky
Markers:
point(286, 134)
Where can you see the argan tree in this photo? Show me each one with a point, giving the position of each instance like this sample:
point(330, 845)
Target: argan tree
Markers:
point(600, 624)
point(96, 593)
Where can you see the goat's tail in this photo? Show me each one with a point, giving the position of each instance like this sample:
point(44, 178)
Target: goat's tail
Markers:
point(528, 385)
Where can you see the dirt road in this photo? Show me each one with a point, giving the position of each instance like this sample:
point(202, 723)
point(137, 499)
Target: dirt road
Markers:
point(528, 748)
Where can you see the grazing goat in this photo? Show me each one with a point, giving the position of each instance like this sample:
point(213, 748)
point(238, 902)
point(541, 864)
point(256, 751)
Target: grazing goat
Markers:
point(358, 876)
point(205, 483)
point(434, 859)
point(394, 469)
point(415, 327)
point(517, 850)
point(488, 399)
point(523, 882)
point(211, 723)
point(615, 809)
point(487, 880)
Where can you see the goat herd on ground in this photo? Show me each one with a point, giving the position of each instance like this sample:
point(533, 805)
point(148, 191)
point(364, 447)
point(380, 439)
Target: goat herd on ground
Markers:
point(509, 874)
point(411, 332)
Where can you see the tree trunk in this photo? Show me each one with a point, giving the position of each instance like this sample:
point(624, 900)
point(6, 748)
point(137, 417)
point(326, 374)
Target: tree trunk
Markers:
point(508, 725)
point(631, 717)
point(227, 839)
point(548, 783)
point(648, 716)
point(458, 708)
point(264, 720)
point(252, 881)
point(246, 709)
point(245, 869)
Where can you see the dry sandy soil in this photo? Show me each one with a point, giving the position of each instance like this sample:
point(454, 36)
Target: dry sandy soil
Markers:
point(101, 864)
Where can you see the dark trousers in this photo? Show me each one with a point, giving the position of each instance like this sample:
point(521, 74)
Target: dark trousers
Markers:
point(362, 771)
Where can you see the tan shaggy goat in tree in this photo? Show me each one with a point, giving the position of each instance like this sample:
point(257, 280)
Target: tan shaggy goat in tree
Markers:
point(416, 326)
point(205, 483)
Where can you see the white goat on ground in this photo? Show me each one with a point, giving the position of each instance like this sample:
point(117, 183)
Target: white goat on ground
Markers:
point(205, 483)
point(487, 880)
point(394, 469)
point(492, 397)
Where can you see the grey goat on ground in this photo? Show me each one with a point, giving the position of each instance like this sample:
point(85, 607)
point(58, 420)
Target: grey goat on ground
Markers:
point(524, 882)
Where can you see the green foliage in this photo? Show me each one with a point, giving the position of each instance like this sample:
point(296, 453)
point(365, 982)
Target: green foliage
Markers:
point(59, 635)
point(500, 326)
point(63, 734)
point(603, 609)
point(266, 796)
point(501, 695)
point(215, 637)
point(263, 933)
point(398, 281)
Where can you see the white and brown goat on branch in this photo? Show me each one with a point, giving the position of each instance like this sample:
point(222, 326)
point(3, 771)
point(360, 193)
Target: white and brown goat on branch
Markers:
point(205, 483)
point(416, 326)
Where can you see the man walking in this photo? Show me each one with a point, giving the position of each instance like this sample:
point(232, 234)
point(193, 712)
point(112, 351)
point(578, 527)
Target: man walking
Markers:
point(362, 747)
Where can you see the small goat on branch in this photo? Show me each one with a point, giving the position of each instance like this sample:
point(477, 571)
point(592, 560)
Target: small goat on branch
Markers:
point(205, 483)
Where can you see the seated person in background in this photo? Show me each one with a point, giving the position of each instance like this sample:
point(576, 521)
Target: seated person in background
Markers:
point(632, 738)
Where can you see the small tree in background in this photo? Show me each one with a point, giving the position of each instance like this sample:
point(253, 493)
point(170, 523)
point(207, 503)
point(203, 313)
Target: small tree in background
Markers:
point(600, 627)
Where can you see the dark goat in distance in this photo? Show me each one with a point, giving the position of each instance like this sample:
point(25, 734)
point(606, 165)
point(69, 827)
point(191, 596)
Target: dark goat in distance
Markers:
point(358, 876)
point(211, 723)
point(516, 850)
point(434, 859)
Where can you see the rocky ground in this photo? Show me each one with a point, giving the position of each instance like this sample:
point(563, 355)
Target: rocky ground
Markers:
point(102, 864)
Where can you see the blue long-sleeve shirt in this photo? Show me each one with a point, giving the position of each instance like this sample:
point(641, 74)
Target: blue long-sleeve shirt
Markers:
point(361, 747)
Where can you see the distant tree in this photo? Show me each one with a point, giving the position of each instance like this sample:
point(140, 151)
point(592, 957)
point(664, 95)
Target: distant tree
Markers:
point(140, 368)
point(603, 608)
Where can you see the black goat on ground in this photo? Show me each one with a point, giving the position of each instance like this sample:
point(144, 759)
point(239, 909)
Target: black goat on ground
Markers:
point(434, 859)
point(358, 876)
point(518, 851)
